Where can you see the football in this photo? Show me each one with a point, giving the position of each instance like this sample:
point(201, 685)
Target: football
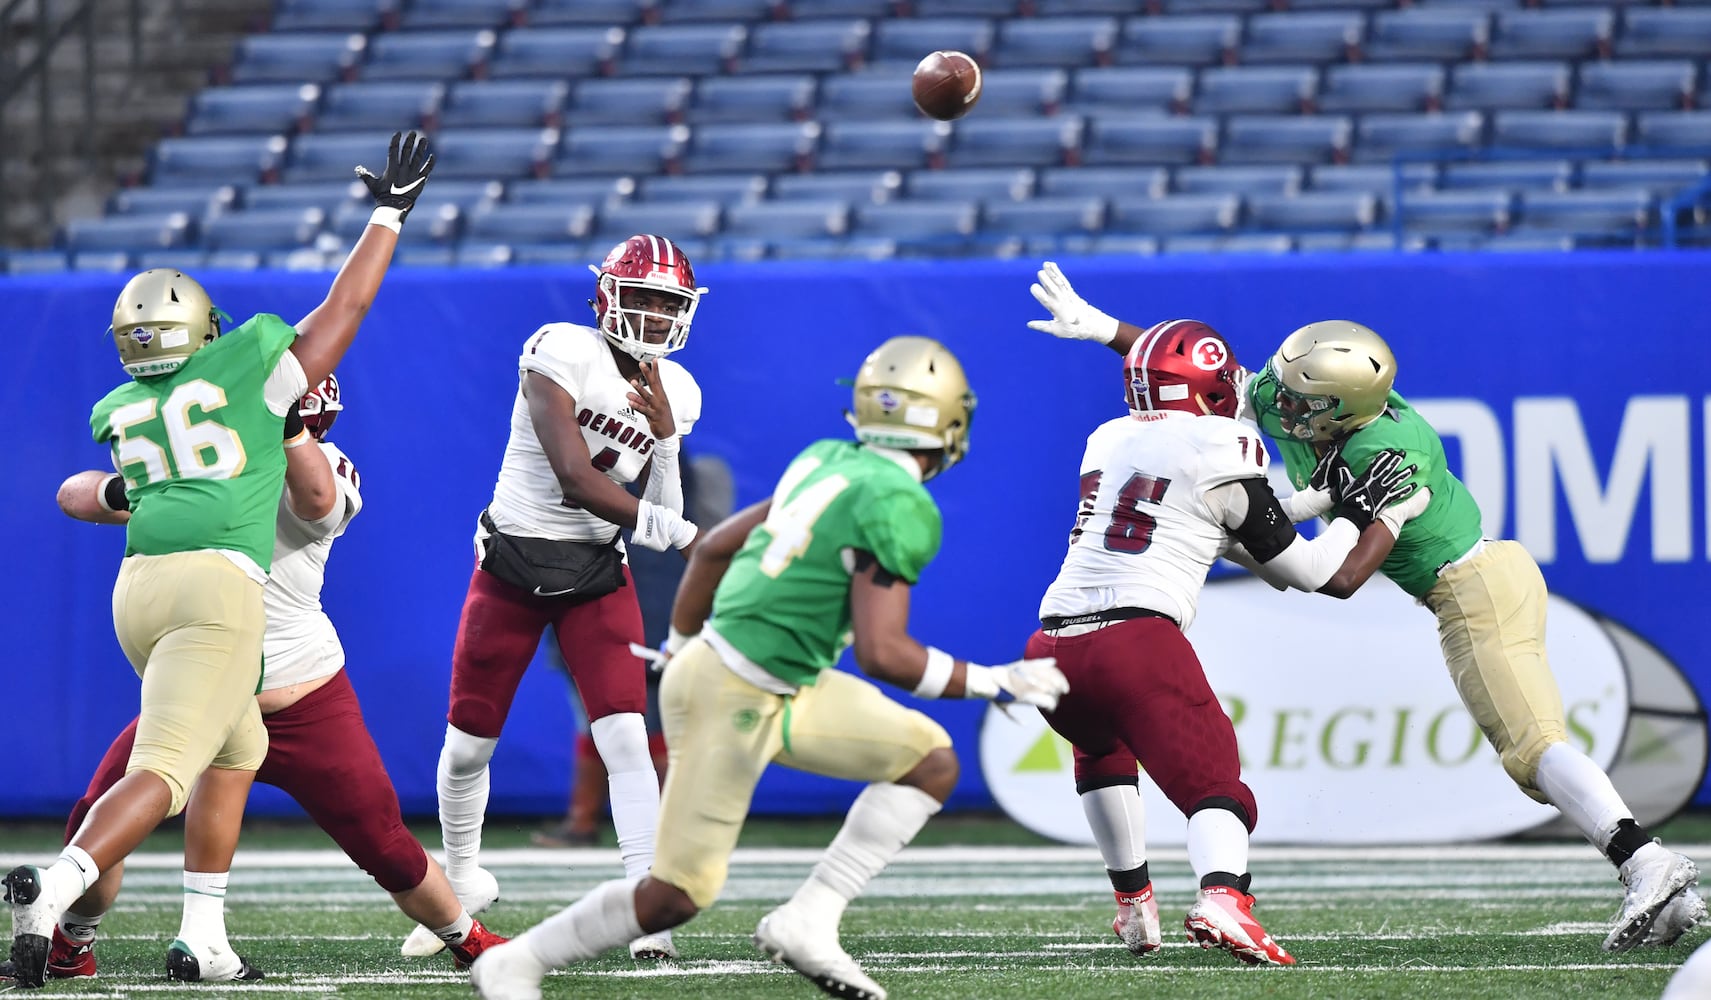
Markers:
point(946, 85)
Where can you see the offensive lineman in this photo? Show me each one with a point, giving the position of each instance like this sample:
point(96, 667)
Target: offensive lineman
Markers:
point(597, 407)
point(1165, 491)
point(319, 751)
point(196, 435)
point(789, 582)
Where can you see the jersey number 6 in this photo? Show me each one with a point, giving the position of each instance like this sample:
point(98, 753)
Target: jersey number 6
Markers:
point(1131, 529)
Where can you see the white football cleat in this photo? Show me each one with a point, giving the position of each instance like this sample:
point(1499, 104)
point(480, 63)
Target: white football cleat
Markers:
point(1137, 922)
point(508, 971)
point(1653, 877)
point(653, 947)
point(476, 895)
point(1681, 914)
point(207, 963)
point(33, 919)
point(786, 936)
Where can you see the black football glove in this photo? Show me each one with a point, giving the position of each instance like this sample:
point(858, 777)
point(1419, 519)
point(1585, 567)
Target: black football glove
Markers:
point(293, 421)
point(408, 164)
point(1382, 484)
point(1328, 474)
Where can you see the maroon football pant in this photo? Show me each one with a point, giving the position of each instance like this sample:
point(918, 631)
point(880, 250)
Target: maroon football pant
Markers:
point(1137, 692)
point(319, 753)
point(501, 629)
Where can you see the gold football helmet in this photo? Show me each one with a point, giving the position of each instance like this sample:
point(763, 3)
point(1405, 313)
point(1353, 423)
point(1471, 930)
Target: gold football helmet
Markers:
point(911, 393)
point(161, 318)
point(1328, 380)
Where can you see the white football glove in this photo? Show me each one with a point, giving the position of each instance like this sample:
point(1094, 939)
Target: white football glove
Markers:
point(1032, 682)
point(658, 527)
point(1072, 317)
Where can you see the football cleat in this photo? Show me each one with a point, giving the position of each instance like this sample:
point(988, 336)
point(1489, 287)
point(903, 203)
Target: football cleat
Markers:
point(477, 941)
point(1137, 921)
point(476, 895)
point(1681, 914)
point(33, 921)
point(186, 963)
point(653, 947)
point(508, 971)
point(1653, 876)
point(69, 960)
point(785, 936)
point(1223, 918)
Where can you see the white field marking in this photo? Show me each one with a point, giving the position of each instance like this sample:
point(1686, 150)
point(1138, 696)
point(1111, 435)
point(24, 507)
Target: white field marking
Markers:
point(1299, 968)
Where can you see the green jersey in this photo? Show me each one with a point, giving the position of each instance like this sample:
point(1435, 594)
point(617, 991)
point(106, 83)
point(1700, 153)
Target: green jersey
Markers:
point(1450, 524)
point(784, 604)
point(200, 448)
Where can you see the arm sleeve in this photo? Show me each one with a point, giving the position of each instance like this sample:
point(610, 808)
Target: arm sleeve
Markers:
point(286, 382)
point(1251, 513)
point(901, 529)
point(665, 478)
point(1398, 514)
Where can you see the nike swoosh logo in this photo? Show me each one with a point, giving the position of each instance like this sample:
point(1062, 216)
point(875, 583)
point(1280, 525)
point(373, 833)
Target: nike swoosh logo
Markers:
point(406, 189)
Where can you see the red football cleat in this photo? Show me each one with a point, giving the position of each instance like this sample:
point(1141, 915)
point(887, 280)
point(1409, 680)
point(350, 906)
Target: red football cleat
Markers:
point(1223, 918)
point(68, 959)
point(1137, 921)
point(479, 940)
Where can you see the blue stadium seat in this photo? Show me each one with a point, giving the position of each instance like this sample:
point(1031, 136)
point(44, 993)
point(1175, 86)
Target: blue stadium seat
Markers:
point(900, 43)
point(1634, 85)
point(1368, 242)
point(622, 101)
point(272, 229)
point(1686, 132)
point(37, 262)
point(493, 152)
point(374, 107)
point(986, 184)
point(753, 99)
point(1178, 41)
point(859, 187)
point(1286, 139)
point(428, 15)
point(1619, 213)
point(331, 15)
point(849, 248)
point(532, 222)
point(788, 220)
point(595, 192)
point(1378, 179)
point(427, 55)
point(1062, 216)
point(434, 224)
point(1131, 89)
point(460, 194)
point(1393, 87)
point(201, 161)
point(769, 147)
point(1437, 212)
point(195, 202)
point(555, 52)
point(1584, 130)
point(306, 58)
point(182, 259)
point(1124, 244)
point(101, 261)
point(424, 256)
point(1519, 242)
point(1382, 136)
point(128, 232)
point(1508, 175)
point(702, 11)
point(302, 259)
point(965, 8)
point(875, 95)
point(1021, 92)
point(619, 149)
point(1255, 89)
point(1326, 37)
point(504, 103)
point(269, 109)
point(1174, 214)
point(1654, 32)
point(1117, 139)
point(1278, 180)
point(1209, 6)
point(1034, 142)
point(1313, 211)
point(726, 189)
point(1338, 5)
point(803, 10)
point(805, 47)
point(334, 157)
point(1661, 177)
point(1104, 182)
point(1054, 41)
point(588, 13)
point(1508, 86)
point(1258, 243)
point(233, 260)
point(681, 221)
point(1438, 33)
point(678, 49)
point(324, 195)
point(1552, 34)
point(942, 224)
point(1081, 8)
point(899, 145)
point(481, 256)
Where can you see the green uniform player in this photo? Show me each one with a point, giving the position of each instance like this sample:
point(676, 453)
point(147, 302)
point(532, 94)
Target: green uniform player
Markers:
point(772, 597)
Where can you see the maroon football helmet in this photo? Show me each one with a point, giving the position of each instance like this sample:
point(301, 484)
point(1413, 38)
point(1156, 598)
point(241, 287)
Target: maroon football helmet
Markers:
point(635, 267)
point(1182, 364)
point(320, 406)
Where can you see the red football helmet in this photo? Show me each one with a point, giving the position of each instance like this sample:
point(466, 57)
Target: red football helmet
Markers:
point(320, 406)
point(645, 278)
point(1182, 364)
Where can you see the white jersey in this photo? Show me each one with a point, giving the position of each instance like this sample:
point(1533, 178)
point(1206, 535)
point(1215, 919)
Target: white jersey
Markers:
point(300, 643)
point(527, 500)
point(1147, 531)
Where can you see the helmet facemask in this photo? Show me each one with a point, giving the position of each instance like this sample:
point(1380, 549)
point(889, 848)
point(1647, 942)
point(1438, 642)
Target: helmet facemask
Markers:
point(646, 317)
point(320, 406)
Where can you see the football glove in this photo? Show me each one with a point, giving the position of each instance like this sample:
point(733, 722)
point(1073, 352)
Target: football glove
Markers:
point(1320, 494)
point(1072, 317)
point(1032, 682)
point(293, 422)
point(658, 527)
point(408, 164)
point(1365, 496)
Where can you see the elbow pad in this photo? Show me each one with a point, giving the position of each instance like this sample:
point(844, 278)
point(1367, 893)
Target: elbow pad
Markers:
point(112, 494)
point(1267, 530)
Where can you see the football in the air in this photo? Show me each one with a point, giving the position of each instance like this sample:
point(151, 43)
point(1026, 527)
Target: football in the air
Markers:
point(946, 85)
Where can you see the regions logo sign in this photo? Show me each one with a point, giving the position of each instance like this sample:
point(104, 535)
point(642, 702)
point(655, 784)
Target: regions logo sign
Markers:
point(1351, 731)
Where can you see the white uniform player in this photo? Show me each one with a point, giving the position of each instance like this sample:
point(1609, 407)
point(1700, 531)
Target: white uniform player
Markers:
point(300, 644)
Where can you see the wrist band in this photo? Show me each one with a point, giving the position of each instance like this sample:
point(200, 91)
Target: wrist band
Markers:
point(937, 675)
point(391, 218)
point(303, 437)
point(675, 640)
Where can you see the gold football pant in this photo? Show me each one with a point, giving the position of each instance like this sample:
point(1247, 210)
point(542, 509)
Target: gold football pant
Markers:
point(1491, 625)
point(191, 624)
point(722, 732)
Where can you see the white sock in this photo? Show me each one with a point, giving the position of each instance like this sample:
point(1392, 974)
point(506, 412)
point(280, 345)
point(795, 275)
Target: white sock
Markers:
point(598, 922)
point(634, 786)
point(885, 817)
point(1581, 789)
point(462, 785)
point(1217, 842)
point(1118, 819)
point(69, 877)
point(79, 928)
point(457, 930)
point(204, 920)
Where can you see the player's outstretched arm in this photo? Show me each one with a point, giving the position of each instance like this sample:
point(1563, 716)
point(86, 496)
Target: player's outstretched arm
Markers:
point(95, 496)
point(325, 334)
point(712, 555)
point(310, 490)
point(1073, 317)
